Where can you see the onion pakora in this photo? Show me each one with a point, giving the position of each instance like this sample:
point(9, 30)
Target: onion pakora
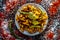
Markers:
point(31, 19)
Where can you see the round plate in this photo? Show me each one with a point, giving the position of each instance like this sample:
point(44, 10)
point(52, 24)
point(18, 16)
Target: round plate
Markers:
point(26, 32)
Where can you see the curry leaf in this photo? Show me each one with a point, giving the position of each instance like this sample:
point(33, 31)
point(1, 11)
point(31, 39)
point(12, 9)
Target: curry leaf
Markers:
point(35, 22)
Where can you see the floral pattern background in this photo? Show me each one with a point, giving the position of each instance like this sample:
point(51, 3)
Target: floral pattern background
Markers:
point(8, 30)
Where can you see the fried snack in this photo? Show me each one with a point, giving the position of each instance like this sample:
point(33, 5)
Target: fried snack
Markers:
point(31, 19)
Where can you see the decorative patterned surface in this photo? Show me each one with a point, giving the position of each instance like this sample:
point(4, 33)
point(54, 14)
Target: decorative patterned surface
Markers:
point(52, 32)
